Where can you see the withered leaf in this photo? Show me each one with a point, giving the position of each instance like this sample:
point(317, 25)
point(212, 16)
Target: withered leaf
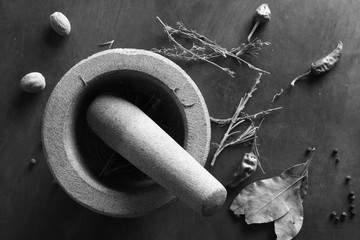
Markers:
point(270, 199)
point(288, 226)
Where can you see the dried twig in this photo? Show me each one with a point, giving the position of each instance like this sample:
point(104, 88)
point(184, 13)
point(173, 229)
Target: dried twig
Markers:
point(225, 121)
point(277, 95)
point(109, 43)
point(205, 49)
point(245, 136)
point(83, 80)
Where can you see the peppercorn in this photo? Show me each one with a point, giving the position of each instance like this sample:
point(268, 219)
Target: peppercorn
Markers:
point(352, 213)
point(309, 150)
point(333, 214)
point(335, 151)
point(337, 219)
point(337, 160)
point(33, 161)
point(348, 178)
point(352, 198)
point(351, 206)
point(351, 193)
point(343, 216)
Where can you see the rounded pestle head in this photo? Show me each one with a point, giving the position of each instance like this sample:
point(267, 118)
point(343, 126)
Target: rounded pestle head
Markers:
point(214, 202)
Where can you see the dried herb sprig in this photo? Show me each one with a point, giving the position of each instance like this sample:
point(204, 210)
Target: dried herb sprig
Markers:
point(226, 121)
point(205, 49)
point(233, 137)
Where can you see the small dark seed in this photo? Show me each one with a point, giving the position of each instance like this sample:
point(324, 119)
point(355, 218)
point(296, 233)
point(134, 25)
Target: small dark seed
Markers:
point(335, 151)
point(337, 160)
point(33, 161)
point(343, 215)
point(337, 219)
point(352, 198)
point(352, 213)
point(351, 207)
point(333, 214)
point(351, 193)
point(348, 178)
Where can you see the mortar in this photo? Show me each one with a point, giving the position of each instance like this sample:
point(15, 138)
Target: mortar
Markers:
point(77, 156)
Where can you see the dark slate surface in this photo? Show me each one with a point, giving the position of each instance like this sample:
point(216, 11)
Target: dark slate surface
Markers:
point(323, 112)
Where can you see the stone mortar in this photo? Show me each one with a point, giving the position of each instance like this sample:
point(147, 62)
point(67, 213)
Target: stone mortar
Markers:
point(68, 161)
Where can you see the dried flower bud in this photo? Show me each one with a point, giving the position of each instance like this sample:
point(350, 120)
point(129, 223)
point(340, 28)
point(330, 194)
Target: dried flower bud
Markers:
point(263, 13)
point(245, 169)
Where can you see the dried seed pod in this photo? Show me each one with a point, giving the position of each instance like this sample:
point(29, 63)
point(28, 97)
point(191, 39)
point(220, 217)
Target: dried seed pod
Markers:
point(33, 82)
point(324, 64)
point(245, 169)
point(262, 15)
point(60, 24)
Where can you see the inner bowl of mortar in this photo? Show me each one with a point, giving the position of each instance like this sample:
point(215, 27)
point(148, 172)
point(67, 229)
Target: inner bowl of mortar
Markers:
point(146, 92)
point(80, 161)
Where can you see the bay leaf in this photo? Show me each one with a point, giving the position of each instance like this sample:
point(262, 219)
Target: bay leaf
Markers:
point(288, 226)
point(270, 199)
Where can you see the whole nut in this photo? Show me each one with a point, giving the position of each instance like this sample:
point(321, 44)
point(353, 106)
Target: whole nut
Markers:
point(60, 24)
point(33, 82)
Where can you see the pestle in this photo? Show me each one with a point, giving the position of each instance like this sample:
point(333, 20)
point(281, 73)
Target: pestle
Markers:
point(135, 136)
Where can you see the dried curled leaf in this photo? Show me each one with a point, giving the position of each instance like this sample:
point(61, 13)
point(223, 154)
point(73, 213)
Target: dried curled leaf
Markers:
point(270, 199)
point(245, 169)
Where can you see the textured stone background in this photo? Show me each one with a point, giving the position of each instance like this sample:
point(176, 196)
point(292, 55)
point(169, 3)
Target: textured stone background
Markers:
point(324, 113)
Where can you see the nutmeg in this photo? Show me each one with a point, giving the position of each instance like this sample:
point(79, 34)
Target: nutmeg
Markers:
point(33, 82)
point(60, 24)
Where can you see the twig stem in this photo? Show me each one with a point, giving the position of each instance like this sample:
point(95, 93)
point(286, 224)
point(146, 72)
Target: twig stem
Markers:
point(299, 77)
point(232, 125)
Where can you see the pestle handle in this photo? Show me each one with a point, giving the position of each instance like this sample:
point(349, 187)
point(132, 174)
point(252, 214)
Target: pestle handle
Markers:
point(132, 134)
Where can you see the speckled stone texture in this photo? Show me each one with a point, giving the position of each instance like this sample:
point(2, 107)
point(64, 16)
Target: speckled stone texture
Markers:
point(135, 136)
point(64, 158)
